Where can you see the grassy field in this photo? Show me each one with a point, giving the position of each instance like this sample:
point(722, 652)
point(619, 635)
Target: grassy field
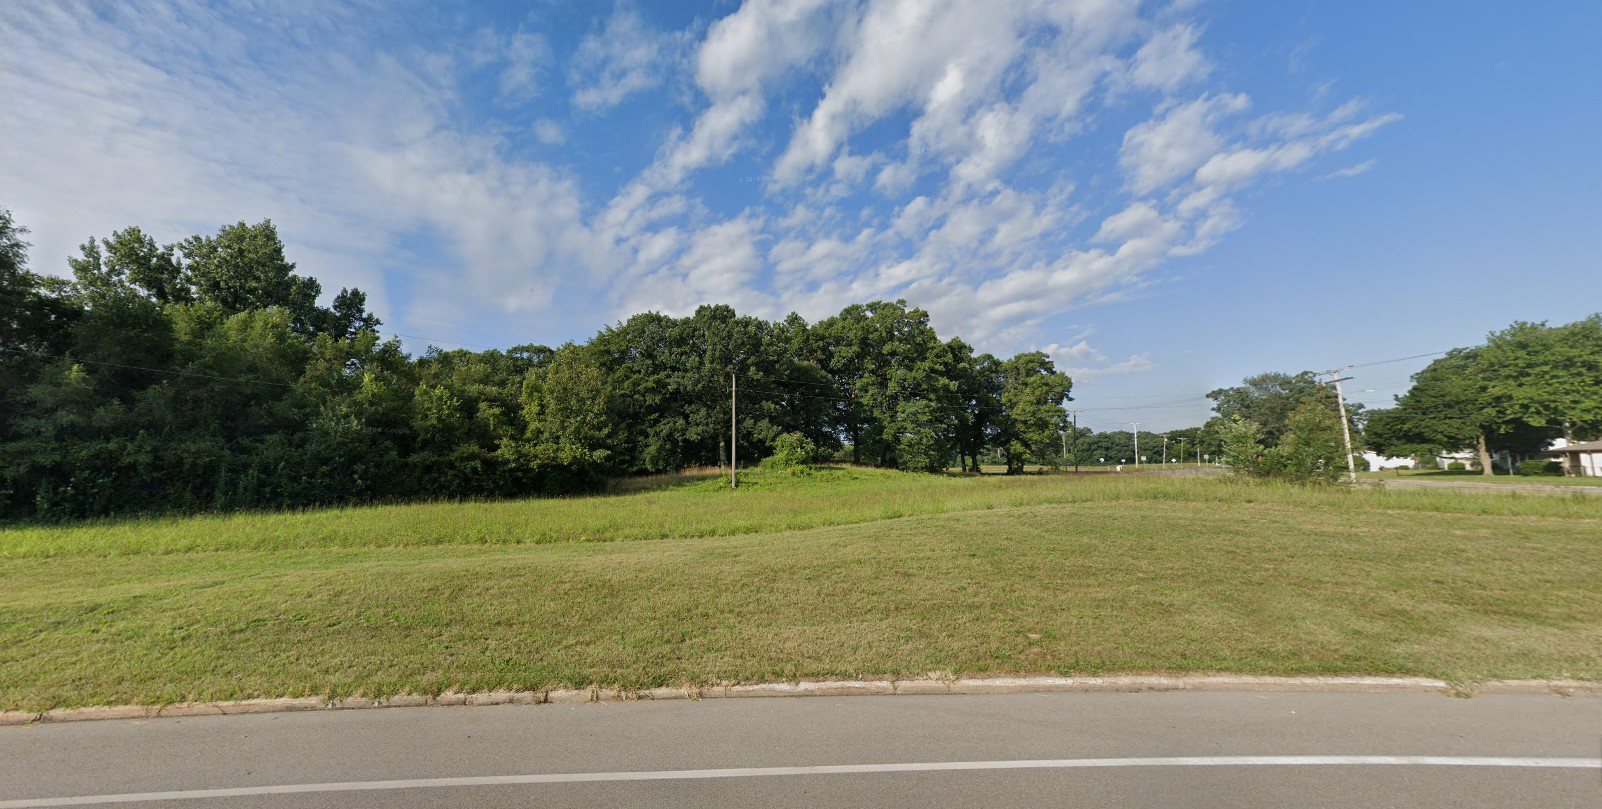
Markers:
point(1446, 476)
point(845, 573)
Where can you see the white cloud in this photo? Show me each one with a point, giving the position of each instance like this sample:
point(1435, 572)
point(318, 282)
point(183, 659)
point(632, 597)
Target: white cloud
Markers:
point(1168, 148)
point(916, 149)
point(1234, 168)
point(719, 265)
point(1134, 365)
point(1352, 170)
point(509, 223)
point(1138, 218)
point(741, 53)
point(757, 43)
point(526, 57)
point(622, 59)
point(1169, 59)
point(549, 132)
point(940, 58)
point(1080, 351)
point(128, 118)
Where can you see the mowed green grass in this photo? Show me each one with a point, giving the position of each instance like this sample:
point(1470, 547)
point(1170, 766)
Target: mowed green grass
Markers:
point(848, 573)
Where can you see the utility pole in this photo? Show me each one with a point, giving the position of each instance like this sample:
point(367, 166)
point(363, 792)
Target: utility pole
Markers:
point(1136, 426)
point(1076, 440)
point(734, 468)
point(1346, 430)
point(1165, 449)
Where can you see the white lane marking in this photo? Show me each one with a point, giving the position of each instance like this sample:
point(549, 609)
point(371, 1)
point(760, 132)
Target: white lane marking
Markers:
point(831, 769)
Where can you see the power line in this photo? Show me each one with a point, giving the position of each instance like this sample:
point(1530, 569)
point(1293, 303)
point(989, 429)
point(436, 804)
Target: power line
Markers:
point(1412, 357)
point(152, 370)
point(447, 342)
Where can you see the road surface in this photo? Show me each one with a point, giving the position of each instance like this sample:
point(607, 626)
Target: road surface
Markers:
point(1091, 749)
point(1466, 485)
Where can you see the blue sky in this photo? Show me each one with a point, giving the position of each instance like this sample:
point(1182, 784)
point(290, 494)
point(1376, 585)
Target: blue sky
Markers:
point(1165, 196)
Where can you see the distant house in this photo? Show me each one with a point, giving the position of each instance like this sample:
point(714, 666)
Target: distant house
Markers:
point(1581, 460)
point(1376, 461)
point(1471, 460)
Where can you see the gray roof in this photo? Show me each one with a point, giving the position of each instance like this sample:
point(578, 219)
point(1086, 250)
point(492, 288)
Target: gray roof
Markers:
point(1589, 446)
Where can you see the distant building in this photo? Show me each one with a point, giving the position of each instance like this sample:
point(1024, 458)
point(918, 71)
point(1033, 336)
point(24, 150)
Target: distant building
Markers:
point(1581, 460)
point(1469, 460)
point(1376, 461)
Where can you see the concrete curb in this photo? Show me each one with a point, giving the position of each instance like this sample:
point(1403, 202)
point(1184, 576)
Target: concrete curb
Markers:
point(817, 688)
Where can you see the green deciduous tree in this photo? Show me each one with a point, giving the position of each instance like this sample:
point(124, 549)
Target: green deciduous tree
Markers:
point(1266, 400)
point(1032, 419)
point(243, 267)
point(1312, 449)
point(1545, 376)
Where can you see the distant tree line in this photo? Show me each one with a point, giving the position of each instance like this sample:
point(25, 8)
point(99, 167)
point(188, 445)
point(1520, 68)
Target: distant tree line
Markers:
point(206, 375)
point(1526, 385)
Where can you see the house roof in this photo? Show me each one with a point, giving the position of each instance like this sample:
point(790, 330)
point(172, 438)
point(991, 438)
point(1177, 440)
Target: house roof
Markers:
point(1589, 446)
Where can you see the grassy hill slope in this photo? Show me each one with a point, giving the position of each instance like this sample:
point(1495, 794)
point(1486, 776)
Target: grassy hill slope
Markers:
point(846, 573)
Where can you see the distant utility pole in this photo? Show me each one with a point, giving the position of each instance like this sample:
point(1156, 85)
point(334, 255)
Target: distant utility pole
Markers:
point(734, 468)
point(1136, 425)
point(1076, 440)
point(1346, 430)
point(1165, 449)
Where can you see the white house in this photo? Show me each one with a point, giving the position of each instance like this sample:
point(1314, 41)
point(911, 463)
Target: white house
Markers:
point(1471, 460)
point(1376, 461)
point(1581, 460)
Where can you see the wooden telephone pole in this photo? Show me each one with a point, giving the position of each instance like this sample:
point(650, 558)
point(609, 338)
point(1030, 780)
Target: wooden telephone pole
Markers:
point(1346, 430)
point(734, 427)
point(1076, 440)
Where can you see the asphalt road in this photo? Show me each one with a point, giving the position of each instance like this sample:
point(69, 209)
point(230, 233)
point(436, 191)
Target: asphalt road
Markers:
point(1465, 485)
point(1093, 749)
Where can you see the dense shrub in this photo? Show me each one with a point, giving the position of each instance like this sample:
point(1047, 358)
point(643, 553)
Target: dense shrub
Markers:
point(1538, 467)
point(792, 453)
point(1456, 466)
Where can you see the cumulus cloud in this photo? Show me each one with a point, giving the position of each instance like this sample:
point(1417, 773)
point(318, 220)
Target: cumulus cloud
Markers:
point(1175, 143)
point(1080, 351)
point(947, 62)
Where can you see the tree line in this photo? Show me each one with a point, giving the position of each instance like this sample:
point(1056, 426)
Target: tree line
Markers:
point(206, 375)
point(1524, 386)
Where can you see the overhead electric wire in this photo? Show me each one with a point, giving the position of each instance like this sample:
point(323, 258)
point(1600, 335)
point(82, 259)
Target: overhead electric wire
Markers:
point(1412, 357)
point(447, 342)
point(152, 370)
